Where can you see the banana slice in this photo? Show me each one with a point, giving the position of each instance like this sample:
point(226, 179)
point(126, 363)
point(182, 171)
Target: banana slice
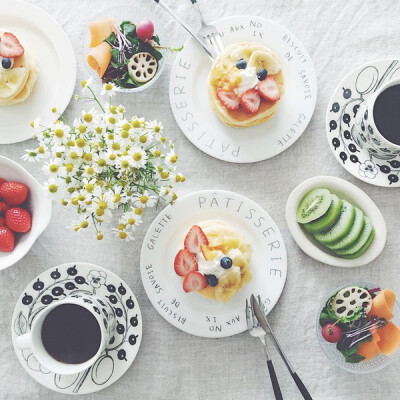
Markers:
point(228, 285)
point(262, 59)
point(241, 52)
point(12, 82)
point(239, 260)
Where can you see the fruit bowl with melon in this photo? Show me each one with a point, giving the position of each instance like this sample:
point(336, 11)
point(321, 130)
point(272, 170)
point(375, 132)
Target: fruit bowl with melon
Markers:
point(25, 212)
point(358, 327)
point(214, 261)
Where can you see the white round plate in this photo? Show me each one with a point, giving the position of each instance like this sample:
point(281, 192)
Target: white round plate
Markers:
point(188, 94)
point(56, 59)
point(354, 195)
point(354, 89)
point(191, 312)
point(55, 284)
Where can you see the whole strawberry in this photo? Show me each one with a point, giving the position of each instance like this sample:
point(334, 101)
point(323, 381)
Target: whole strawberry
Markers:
point(6, 240)
point(13, 193)
point(2, 180)
point(18, 219)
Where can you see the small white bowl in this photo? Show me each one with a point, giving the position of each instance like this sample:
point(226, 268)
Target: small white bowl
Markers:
point(347, 191)
point(39, 205)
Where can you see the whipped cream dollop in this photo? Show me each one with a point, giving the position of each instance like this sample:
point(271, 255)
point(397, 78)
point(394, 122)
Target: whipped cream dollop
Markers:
point(248, 80)
point(213, 267)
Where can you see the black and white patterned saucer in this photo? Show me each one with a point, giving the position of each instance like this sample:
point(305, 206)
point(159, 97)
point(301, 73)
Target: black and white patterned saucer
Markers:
point(74, 278)
point(376, 168)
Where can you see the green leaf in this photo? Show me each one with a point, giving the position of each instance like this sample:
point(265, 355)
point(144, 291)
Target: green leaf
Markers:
point(128, 28)
point(156, 38)
point(354, 358)
point(324, 318)
point(114, 55)
point(145, 47)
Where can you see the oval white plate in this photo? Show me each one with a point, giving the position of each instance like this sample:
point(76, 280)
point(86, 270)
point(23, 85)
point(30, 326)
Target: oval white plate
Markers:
point(189, 311)
point(348, 150)
point(118, 355)
point(38, 203)
point(190, 104)
point(56, 59)
point(346, 191)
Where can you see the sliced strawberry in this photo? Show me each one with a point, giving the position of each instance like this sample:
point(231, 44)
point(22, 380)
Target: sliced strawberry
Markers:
point(194, 239)
point(228, 99)
point(185, 262)
point(268, 89)
point(194, 281)
point(250, 100)
point(10, 46)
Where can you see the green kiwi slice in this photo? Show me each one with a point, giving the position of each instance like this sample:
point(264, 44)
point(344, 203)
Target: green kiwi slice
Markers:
point(361, 241)
point(342, 226)
point(363, 249)
point(353, 234)
point(313, 205)
point(328, 219)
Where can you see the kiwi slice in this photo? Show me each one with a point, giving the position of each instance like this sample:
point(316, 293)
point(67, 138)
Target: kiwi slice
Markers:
point(328, 219)
point(313, 205)
point(353, 234)
point(342, 226)
point(363, 248)
point(361, 241)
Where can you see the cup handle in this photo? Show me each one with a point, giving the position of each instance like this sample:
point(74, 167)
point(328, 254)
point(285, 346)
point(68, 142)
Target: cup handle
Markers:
point(24, 341)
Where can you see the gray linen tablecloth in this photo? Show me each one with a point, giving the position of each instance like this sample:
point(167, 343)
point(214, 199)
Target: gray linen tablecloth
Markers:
point(339, 35)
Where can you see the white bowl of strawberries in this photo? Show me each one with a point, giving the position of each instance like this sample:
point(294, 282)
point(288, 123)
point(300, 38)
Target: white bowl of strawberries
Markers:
point(25, 212)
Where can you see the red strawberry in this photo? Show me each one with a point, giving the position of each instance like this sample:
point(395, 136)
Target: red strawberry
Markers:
point(2, 223)
point(250, 100)
point(194, 281)
point(268, 89)
point(10, 46)
point(228, 99)
point(18, 219)
point(2, 181)
point(13, 193)
point(3, 207)
point(185, 262)
point(7, 240)
point(194, 239)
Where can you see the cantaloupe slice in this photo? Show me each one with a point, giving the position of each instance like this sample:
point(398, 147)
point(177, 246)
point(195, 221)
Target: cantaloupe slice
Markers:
point(389, 338)
point(99, 58)
point(370, 349)
point(382, 305)
point(101, 30)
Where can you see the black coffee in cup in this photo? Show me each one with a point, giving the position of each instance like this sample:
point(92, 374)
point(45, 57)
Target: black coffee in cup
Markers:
point(387, 114)
point(71, 334)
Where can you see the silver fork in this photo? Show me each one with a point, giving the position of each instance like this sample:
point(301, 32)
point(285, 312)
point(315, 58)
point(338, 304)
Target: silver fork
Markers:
point(209, 32)
point(256, 331)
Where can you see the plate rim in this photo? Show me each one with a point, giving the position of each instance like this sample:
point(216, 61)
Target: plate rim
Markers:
point(67, 61)
point(143, 248)
point(307, 121)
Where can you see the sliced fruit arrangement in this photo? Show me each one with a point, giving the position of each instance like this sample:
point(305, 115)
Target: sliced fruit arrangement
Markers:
point(358, 320)
point(335, 223)
point(126, 55)
point(15, 219)
point(220, 269)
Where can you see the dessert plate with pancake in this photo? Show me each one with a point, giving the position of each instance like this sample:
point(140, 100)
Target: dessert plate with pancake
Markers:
point(202, 257)
point(37, 69)
point(254, 100)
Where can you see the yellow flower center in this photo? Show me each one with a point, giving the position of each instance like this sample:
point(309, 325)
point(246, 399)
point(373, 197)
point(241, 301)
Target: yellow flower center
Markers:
point(157, 129)
point(164, 174)
point(131, 221)
point(40, 149)
point(126, 126)
point(99, 212)
point(157, 153)
point(90, 171)
point(74, 155)
point(53, 168)
point(121, 227)
point(53, 188)
point(89, 187)
point(117, 197)
point(103, 205)
point(84, 224)
point(88, 157)
point(102, 162)
point(88, 117)
point(136, 123)
point(143, 139)
point(70, 143)
point(116, 146)
point(125, 134)
point(113, 157)
point(137, 156)
point(108, 86)
point(144, 199)
point(82, 128)
point(81, 142)
point(59, 133)
point(124, 164)
point(111, 120)
point(123, 235)
point(138, 211)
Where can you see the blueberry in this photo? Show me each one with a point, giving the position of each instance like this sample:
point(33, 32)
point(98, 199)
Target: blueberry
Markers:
point(6, 63)
point(241, 64)
point(226, 263)
point(262, 74)
point(212, 280)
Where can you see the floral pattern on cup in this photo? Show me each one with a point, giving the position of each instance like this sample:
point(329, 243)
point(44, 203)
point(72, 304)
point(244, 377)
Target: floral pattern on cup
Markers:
point(352, 137)
point(112, 299)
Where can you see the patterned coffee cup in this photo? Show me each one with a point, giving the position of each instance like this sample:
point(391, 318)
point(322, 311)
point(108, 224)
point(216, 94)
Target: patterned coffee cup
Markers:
point(99, 308)
point(366, 133)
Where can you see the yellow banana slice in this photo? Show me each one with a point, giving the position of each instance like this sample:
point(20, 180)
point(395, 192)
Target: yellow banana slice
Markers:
point(228, 285)
point(262, 59)
point(12, 82)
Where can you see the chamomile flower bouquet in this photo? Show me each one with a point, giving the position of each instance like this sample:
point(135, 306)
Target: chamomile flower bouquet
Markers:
point(106, 166)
